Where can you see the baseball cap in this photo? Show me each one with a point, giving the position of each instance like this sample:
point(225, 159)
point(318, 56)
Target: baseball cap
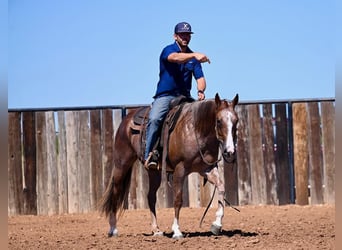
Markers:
point(183, 27)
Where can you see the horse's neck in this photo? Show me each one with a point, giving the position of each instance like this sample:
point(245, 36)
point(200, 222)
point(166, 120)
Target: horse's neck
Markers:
point(203, 116)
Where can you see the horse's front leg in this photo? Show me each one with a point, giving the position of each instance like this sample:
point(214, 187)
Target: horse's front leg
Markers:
point(154, 180)
point(178, 181)
point(214, 178)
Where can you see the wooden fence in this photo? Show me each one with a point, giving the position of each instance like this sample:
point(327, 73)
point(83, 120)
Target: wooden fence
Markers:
point(60, 159)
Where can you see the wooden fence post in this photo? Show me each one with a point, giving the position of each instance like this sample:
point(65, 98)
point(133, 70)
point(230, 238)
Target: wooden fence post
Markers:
point(164, 193)
point(96, 155)
point(108, 145)
point(193, 186)
point(243, 167)
point(62, 164)
point(84, 162)
point(229, 175)
point(206, 192)
point(142, 186)
point(71, 130)
point(42, 170)
point(300, 152)
point(51, 156)
point(30, 163)
point(15, 179)
point(328, 135)
point(315, 154)
point(258, 178)
point(269, 161)
point(282, 155)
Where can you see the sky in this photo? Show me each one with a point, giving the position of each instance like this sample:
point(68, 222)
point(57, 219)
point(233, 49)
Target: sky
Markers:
point(98, 53)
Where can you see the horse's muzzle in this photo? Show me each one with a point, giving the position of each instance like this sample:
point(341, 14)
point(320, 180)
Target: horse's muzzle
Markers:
point(229, 157)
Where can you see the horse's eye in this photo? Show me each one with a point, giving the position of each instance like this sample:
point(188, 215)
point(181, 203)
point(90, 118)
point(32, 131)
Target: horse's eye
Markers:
point(218, 122)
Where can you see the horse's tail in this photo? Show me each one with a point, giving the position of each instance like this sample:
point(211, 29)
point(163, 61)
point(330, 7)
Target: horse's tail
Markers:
point(112, 201)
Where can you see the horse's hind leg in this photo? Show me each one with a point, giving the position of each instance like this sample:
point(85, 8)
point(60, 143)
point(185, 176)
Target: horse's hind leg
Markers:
point(154, 182)
point(116, 193)
point(113, 231)
point(115, 190)
point(178, 181)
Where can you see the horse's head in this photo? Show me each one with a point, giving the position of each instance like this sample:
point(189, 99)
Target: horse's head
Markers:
point(226, 122)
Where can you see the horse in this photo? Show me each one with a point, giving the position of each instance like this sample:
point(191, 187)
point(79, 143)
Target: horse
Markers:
point(202, 130)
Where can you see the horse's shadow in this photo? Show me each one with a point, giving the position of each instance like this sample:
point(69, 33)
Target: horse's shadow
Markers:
point(227, 233)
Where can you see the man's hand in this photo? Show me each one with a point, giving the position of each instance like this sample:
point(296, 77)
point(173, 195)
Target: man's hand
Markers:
point(201, 57)
point(201, 95)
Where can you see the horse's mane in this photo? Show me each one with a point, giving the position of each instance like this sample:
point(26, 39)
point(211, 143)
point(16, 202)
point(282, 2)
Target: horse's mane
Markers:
point(204, 116)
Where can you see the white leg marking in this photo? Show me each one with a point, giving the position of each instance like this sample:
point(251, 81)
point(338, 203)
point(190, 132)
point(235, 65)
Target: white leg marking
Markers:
point(113, 231)
point(219, 215)
point(175, 228)
point(214, 177)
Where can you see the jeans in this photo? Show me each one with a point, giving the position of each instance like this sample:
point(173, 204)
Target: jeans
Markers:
point(158, 112)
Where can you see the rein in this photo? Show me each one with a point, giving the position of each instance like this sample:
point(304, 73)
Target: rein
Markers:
point(213, 164)
point(211, 200)
point(202, 156)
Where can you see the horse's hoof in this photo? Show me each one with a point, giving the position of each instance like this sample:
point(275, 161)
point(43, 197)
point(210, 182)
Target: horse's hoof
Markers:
point(177, 237)
point(158, 233)
point(216, 230)
point(113, 234)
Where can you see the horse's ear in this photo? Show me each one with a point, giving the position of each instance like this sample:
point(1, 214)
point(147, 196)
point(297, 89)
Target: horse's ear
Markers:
point(235, 100)
point(217, 99)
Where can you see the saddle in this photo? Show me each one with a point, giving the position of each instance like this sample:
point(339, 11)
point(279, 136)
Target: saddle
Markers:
point(140, 119)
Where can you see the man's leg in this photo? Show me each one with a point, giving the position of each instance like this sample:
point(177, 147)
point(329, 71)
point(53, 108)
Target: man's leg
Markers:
point(159, 109)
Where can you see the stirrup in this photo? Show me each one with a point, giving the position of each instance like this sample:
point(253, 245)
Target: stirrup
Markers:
point(152, 161)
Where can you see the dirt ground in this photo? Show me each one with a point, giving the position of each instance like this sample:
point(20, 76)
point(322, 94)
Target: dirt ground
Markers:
point(255, 227)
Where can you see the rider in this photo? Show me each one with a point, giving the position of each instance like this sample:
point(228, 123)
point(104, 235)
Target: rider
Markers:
point(177, 64)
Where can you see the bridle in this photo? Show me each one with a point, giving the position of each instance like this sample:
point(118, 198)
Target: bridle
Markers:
point(211, 164)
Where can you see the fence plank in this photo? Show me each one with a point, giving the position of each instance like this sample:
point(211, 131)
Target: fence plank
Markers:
point(258, 178)
point(243, 167)
point(42, 171)
point(315, 154)
point(71, 132)
point(132, 195)
point(142, 186)
point(117, 118)
point(282, 155)
point(300, 146)
point(84, 166)
point(230, 174)
point(328, 136)
point(193, 186)
point(96, 155)
point(108, 144)
point(51, 156)
point(15, 179)
point(186, 194)
point(269, 161)
point(206, 192)
point(30, 163)
point(62, 170)
point(164, 193)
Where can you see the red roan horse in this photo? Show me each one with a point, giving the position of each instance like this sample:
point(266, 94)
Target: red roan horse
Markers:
point(203, 127)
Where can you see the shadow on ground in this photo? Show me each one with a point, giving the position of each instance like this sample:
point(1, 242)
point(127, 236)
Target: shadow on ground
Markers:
point(227, 233)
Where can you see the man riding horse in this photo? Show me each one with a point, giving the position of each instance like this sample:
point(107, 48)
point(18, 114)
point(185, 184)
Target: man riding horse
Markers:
point(192, 143)
point(178, 63)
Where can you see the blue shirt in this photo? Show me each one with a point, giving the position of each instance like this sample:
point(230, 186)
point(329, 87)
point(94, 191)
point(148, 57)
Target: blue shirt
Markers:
point(175, 78)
